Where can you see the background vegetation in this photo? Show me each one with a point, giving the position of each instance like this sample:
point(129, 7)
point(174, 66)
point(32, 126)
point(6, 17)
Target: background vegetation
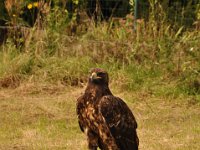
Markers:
point(155, 68)
point(155, 52)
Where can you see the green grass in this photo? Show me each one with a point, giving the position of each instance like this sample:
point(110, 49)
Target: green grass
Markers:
point(136, 60)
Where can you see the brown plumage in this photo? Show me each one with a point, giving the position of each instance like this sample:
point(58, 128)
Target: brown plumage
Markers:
point(106, 120)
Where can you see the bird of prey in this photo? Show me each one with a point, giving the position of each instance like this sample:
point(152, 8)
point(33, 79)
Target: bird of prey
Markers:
point(106, 119)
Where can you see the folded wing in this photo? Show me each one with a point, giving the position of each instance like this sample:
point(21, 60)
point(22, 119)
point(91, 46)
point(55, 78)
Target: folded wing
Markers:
point(120, 121)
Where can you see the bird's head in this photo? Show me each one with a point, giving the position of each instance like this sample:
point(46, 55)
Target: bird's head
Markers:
point(98, 76)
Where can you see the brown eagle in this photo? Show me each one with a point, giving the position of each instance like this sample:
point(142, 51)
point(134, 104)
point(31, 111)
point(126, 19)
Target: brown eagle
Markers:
point(106, 120)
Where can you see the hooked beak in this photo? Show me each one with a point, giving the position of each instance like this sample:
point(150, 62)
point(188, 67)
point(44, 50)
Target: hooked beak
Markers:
point(94, 76)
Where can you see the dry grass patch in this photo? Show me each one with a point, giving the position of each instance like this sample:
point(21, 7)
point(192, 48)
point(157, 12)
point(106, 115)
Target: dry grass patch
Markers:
point(47, 120)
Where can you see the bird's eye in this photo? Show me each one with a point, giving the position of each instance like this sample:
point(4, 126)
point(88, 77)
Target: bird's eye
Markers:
point(99, 73)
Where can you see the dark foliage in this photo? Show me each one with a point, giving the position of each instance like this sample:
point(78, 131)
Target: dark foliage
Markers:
point(3, 18)
point(107, 8)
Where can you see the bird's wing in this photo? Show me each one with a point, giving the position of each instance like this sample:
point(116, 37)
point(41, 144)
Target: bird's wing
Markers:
point(79, 107)
point(96, 123)
point(120, 121)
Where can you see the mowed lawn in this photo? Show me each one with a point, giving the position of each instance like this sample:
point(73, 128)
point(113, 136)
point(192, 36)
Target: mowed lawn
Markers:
point(44, 117)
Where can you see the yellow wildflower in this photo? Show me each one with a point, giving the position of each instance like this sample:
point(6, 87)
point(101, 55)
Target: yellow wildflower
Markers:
point(30, 6)
point(75, 2)
point(35, 4)
point(14, 15)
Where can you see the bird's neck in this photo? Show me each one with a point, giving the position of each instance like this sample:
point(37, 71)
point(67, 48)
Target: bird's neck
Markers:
point(98, 90)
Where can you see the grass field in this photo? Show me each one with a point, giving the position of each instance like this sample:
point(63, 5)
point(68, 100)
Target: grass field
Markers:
point(43, 117)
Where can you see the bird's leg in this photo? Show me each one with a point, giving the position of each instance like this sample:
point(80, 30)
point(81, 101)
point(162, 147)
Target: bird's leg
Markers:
point(92, 140)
